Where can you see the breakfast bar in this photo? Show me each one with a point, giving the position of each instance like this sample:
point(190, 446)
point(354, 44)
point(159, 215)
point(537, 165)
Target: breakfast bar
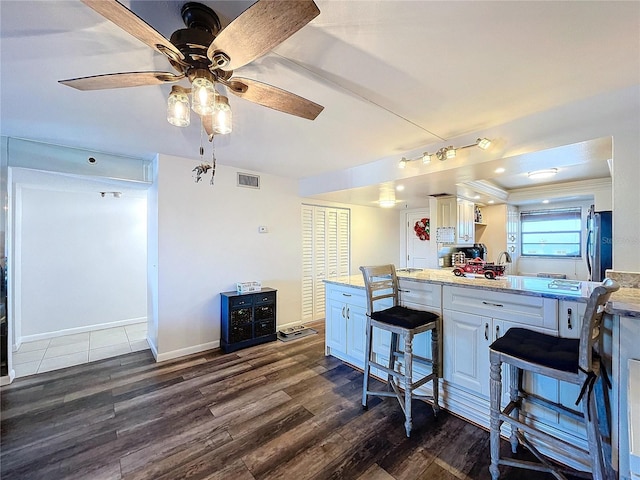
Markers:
point(475, 311)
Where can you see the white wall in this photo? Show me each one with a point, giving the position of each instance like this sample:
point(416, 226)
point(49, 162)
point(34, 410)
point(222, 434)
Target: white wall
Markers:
point(207, 240)
point(80, 260)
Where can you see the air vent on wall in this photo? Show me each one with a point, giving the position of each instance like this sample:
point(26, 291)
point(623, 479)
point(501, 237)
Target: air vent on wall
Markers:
point(247, 180)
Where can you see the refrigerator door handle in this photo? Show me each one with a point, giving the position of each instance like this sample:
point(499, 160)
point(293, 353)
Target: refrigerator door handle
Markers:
point(588, 253)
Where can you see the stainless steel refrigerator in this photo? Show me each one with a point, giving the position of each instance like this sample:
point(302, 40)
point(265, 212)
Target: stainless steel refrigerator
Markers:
point(599, 252)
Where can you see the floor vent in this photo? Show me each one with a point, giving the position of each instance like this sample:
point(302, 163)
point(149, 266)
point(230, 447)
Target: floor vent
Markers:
point(247, 180)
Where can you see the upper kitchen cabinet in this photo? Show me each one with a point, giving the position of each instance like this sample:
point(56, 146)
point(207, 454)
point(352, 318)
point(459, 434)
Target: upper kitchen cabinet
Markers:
point(457, 213)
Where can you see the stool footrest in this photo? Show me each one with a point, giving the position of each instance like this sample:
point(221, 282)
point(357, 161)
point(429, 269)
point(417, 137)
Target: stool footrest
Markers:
point(543, 436)
point(556, 407)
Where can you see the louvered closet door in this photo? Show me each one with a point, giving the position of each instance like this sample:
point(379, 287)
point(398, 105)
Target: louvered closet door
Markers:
point(325, 254)
point(344, 240)
point(332, 243)
point(319, 261)
point(307, 263)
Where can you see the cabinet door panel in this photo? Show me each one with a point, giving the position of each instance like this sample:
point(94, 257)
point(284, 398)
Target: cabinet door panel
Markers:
point(463, 363)
point(336, 326)
point(570, 318)
point(356, 324)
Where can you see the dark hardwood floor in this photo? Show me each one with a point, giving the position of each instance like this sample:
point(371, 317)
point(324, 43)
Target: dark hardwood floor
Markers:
point(275, 411)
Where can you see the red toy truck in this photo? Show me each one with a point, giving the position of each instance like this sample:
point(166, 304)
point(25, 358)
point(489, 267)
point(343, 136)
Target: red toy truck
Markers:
point(479, 267)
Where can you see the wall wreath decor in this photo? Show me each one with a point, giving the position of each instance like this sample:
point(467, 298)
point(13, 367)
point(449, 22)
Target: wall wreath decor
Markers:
point(422, 229)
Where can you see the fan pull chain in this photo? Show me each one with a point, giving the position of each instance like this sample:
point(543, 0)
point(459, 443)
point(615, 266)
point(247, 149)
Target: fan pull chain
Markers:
point(213, 161)
point(204, 166)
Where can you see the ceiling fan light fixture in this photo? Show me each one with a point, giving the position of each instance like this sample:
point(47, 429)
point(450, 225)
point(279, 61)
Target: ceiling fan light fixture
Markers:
point(203, 92)
point(222, 115)
point(545, 173)
point(178, 110)
point(483, 143)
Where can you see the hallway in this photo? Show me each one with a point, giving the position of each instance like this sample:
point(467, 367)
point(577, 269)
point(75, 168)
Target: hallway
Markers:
point(66, 351)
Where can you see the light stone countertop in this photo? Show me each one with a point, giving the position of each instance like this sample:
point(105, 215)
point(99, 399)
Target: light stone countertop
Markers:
point(625, 302)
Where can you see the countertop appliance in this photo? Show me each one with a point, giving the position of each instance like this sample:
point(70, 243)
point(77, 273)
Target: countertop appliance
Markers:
point(471, 252)
point(599, 251)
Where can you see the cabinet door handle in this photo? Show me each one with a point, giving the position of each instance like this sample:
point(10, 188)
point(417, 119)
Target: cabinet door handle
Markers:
point(497, 332)
point(569, 325)
point(347, 313)
point(404, 291)
point(346, 294)
point(343, 309)
point(486, 331)
point(512, 248)
point(493, 304)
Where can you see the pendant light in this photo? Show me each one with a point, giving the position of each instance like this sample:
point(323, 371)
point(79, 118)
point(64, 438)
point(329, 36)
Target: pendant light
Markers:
point(203, 93)
point(222, 115)
point(178, 111)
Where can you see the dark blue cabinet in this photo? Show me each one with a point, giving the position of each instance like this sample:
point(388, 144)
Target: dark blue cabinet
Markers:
point(247, 319)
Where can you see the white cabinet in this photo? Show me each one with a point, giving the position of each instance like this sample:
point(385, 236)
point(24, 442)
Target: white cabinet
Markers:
point(458, 213)
point(325, 254)
point(447, 214)
point(465, 225)
point(466, 358)
point(472, 322)
point(345, 323)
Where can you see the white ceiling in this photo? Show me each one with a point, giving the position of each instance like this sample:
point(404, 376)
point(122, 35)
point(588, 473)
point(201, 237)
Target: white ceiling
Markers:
point(393, 76)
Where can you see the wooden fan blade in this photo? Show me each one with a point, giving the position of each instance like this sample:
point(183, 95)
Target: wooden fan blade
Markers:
point(274, 97)
point(260, 28)
point(121, 80)
point(133, 24)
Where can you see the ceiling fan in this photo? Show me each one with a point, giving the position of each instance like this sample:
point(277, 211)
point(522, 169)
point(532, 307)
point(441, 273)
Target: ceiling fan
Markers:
point(207, 55)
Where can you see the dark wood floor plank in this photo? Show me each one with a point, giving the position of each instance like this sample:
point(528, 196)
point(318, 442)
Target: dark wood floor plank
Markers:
point(274, 411)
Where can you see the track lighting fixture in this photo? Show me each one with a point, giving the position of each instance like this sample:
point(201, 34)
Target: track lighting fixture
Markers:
point(445, 153)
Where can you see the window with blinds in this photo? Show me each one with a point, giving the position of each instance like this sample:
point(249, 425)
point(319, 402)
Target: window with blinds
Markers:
point(555, 233)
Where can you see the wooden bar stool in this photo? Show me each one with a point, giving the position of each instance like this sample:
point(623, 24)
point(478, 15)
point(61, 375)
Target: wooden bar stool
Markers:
point(404, 323)
point(566, 359)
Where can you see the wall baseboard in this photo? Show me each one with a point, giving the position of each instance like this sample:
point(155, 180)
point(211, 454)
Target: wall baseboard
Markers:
point(71, 331)
point(163, 357)
point(203, 347)
point(6, 380)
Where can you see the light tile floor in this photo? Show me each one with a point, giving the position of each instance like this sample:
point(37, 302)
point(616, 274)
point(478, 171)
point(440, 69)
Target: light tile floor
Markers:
point(61, 352)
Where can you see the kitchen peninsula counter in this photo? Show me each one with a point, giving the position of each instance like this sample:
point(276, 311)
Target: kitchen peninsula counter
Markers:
point(471, 322)
point(624, 302)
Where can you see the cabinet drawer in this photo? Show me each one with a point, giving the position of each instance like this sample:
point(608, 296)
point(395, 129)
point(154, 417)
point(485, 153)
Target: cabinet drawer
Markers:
point(420, 293)
point(241, 301)
point(265, 327)
point(524, 309)
point(348, 295)
point(261, 298)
